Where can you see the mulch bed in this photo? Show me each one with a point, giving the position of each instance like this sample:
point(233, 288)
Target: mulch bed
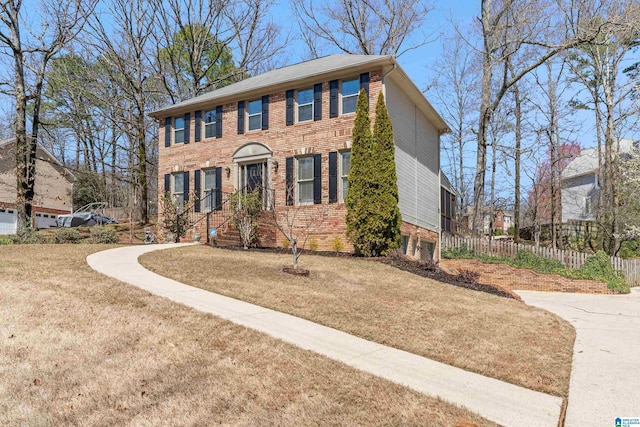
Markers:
point(404, 264)
point(439, 275)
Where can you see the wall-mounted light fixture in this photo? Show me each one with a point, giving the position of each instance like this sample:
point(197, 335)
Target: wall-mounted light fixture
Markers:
point(275, 165)
point(227, 170)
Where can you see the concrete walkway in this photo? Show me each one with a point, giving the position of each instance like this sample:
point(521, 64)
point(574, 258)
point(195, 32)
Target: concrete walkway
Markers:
point(605, 377)
point(495, 400)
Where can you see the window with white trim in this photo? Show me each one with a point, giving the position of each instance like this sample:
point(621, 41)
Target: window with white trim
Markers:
point(210, 124)
point(345, 166)
point(305, 180)
point(178, 189)
point(255, 114)
point(178, 130)
point(209, 189)
point(349, 94)
point(305, 105)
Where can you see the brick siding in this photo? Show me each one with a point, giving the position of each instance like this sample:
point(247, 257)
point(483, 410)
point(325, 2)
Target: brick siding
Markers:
point(311, 137)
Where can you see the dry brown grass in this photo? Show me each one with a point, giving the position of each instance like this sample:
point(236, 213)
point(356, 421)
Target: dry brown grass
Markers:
point(77, 348)
point(493, 336)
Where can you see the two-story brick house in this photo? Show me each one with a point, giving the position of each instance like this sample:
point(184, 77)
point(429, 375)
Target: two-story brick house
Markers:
point(291, 128)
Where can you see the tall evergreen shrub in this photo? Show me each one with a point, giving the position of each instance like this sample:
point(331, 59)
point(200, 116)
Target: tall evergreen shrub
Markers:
point(386, 196)
point(359, 176)
point(373, 217)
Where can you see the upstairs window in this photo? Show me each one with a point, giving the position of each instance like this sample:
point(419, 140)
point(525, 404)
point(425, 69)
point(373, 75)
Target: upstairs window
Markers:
point(349, 93)
point(255, 114)
point(178, 130)
point(210, 124)
point(305, 105)
point(305, 181)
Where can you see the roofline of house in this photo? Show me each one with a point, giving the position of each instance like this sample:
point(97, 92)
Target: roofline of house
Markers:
point(420, 100)
point(337, 73)
point(268, 88)
point(71, 177)
point(564, 177)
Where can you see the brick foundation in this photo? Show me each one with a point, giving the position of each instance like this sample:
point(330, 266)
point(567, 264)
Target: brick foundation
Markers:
point(507, 277)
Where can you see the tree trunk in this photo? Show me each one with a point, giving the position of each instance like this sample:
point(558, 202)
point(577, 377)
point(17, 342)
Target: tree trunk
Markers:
point(518, 142)
point(142, 163)
point(23, 203)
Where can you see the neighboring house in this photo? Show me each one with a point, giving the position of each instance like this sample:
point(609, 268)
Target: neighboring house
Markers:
point(503, 221)
point(580, 186)
point(52, 188)
point(291, 128)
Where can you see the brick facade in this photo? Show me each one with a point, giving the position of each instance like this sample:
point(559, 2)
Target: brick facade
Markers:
point(510, 278)
point(300, 139)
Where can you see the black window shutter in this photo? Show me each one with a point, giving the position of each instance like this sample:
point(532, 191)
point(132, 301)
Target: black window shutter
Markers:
point(218, 201)
point(364, 82)
point(167, 184)
point(317, 101)
point(333, 98)
point(333, 177)
point(289, 107)
point(240, 117)
point(196, 131)
point(317, 179)
point(289, 180)
point(167, 132)
point(187, 127)
point(219, 121)
point(196, 190)
point(186, 186)
point(265, 112)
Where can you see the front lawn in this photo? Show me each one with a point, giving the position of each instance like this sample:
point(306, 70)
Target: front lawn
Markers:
point(493, 336)
point(78, 348)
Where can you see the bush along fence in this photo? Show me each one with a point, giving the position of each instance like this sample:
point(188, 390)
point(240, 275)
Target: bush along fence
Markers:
point(462, 247)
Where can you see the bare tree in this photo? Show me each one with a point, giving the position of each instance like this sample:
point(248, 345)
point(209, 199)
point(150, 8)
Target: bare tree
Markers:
point(598, 66)
point(31, 47)
point(297, 224)
point(127, 53)
point(456, 93)
point(204, 44)
point(519, 32)
point(367, 27)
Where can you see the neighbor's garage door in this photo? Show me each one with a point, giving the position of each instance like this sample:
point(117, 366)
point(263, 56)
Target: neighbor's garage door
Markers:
point(8, 221)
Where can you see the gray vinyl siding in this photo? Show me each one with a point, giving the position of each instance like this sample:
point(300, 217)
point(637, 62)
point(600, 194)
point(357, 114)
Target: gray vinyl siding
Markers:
point(417, 160)
point(574, 193)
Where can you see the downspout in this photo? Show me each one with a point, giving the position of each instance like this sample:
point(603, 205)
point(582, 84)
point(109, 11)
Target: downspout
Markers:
point(439, 208)
point(384, 86)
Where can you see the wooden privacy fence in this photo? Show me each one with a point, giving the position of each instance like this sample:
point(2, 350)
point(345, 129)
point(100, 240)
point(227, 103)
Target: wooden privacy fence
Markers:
point(571, 259)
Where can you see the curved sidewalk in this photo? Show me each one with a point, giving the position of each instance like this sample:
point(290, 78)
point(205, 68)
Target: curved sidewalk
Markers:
point(605, 374)
point(501, 402)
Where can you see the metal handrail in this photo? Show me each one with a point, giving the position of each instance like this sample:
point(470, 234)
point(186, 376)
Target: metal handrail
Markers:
point(225, 211)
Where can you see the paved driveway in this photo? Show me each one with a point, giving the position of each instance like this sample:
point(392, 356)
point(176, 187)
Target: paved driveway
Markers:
point(605, 378)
